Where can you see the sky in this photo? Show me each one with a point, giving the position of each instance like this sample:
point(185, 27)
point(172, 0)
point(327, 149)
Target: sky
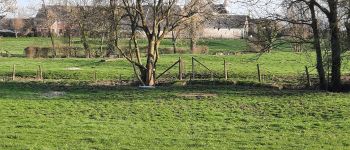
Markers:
point(28, 7)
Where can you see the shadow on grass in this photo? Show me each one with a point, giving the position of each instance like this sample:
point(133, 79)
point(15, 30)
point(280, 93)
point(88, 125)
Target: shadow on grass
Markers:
point(84, 90)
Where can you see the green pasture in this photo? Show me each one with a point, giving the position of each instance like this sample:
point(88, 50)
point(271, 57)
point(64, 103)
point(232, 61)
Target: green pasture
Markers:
point(53, 116)
point(17, 46)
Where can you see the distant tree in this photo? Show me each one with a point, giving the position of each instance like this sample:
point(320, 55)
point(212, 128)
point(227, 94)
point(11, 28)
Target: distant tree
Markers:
point(7, 6)
point(298, 33)
point(266, 35)
point(175, 35)
point(18, 24)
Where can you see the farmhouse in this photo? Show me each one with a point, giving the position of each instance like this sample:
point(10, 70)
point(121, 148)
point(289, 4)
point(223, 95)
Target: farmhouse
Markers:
point(227, 26)
point(54, 20)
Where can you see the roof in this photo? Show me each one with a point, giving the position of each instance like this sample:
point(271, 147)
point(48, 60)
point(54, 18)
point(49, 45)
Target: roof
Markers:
point(226, 21)
point(220, 8)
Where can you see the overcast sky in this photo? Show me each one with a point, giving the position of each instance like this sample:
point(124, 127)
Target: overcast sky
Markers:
point(28, 7)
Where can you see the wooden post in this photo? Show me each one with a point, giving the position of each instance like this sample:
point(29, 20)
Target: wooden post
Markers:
point(120, 80)
point(40, 73)
point(193, 67)
point(308, 76)
point(95, 76)
point(259, 73)
point(212, 76)
point(14, 73)
point(225, 70)
point(180, 69)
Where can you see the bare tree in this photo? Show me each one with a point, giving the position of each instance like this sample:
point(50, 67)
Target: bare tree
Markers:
point(50, 18)
point(266, 35)
point(175, 35)
point(7, 6)
point(298, 33)
point(155, 18)
point(18, 24)
point(330, 10)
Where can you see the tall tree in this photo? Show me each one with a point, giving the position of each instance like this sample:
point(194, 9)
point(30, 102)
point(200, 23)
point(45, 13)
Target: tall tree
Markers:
point(329, 8)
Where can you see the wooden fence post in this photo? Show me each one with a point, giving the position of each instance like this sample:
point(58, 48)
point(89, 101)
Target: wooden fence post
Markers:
point(308, 76)
point(180, 69)
point(225, 70)
point(120, 80)
point(259, 73)
point(193, 67)
point(39, 73)
point(14, 73)
point(95, 76)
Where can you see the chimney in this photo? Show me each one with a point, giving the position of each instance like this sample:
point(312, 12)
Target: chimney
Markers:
point(225, 3)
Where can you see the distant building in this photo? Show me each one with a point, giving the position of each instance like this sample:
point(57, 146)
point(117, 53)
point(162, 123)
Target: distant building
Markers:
point(53, 20)
point(225, 25)
point(57, 19)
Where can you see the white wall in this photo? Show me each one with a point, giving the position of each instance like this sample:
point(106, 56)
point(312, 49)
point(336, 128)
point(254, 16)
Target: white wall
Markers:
point(222, 33)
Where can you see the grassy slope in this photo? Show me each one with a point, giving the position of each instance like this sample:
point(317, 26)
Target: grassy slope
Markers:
point(130, 118)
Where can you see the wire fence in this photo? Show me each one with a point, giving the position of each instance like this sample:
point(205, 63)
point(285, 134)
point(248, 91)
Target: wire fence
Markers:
point(178, 71)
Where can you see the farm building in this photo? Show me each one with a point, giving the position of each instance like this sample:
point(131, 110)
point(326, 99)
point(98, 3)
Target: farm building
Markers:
point(57, 19)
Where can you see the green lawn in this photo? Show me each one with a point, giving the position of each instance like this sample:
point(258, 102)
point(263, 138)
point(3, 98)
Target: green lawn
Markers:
point(17, 46)
point(85, 117)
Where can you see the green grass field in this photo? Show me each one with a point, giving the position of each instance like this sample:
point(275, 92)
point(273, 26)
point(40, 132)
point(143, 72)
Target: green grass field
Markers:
point(75, 114)
point(241, 66)
point(17, 46)
point(86, 117)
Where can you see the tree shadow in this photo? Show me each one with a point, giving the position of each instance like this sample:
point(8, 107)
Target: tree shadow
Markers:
point(87, 91)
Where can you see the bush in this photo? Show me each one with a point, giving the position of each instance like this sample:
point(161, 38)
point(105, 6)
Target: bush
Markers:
point(201, 50)
point(37, 52)
point(171, 50)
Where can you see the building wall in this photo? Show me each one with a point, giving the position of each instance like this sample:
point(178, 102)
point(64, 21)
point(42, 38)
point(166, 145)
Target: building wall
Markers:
point(223, 33)
point(58, 28)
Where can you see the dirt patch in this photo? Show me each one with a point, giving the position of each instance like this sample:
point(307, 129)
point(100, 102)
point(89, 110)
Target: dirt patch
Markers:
point(54, 94)
point(198, 95)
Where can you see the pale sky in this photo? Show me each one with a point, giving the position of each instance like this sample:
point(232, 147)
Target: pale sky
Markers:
point(28, 7)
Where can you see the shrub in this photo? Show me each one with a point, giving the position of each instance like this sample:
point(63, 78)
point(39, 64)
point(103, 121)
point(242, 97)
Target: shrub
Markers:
point(201, 50)
point(37, 52)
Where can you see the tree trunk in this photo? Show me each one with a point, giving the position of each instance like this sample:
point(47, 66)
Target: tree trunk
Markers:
point(84, 41)
point(174, 41)
point(52, 43)
point(149, 72)
point(86, 46)
point(347, 26)
point(101, 46)
point(317, 46)
point(193, 36)
point(193, 44)
point(335, 46)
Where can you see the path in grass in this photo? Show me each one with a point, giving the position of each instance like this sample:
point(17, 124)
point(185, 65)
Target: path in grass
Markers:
point(85, 117)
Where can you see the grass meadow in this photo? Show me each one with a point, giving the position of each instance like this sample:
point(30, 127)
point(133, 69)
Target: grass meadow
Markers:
point(80, 115)
point(279, 64)
point(89, 117)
